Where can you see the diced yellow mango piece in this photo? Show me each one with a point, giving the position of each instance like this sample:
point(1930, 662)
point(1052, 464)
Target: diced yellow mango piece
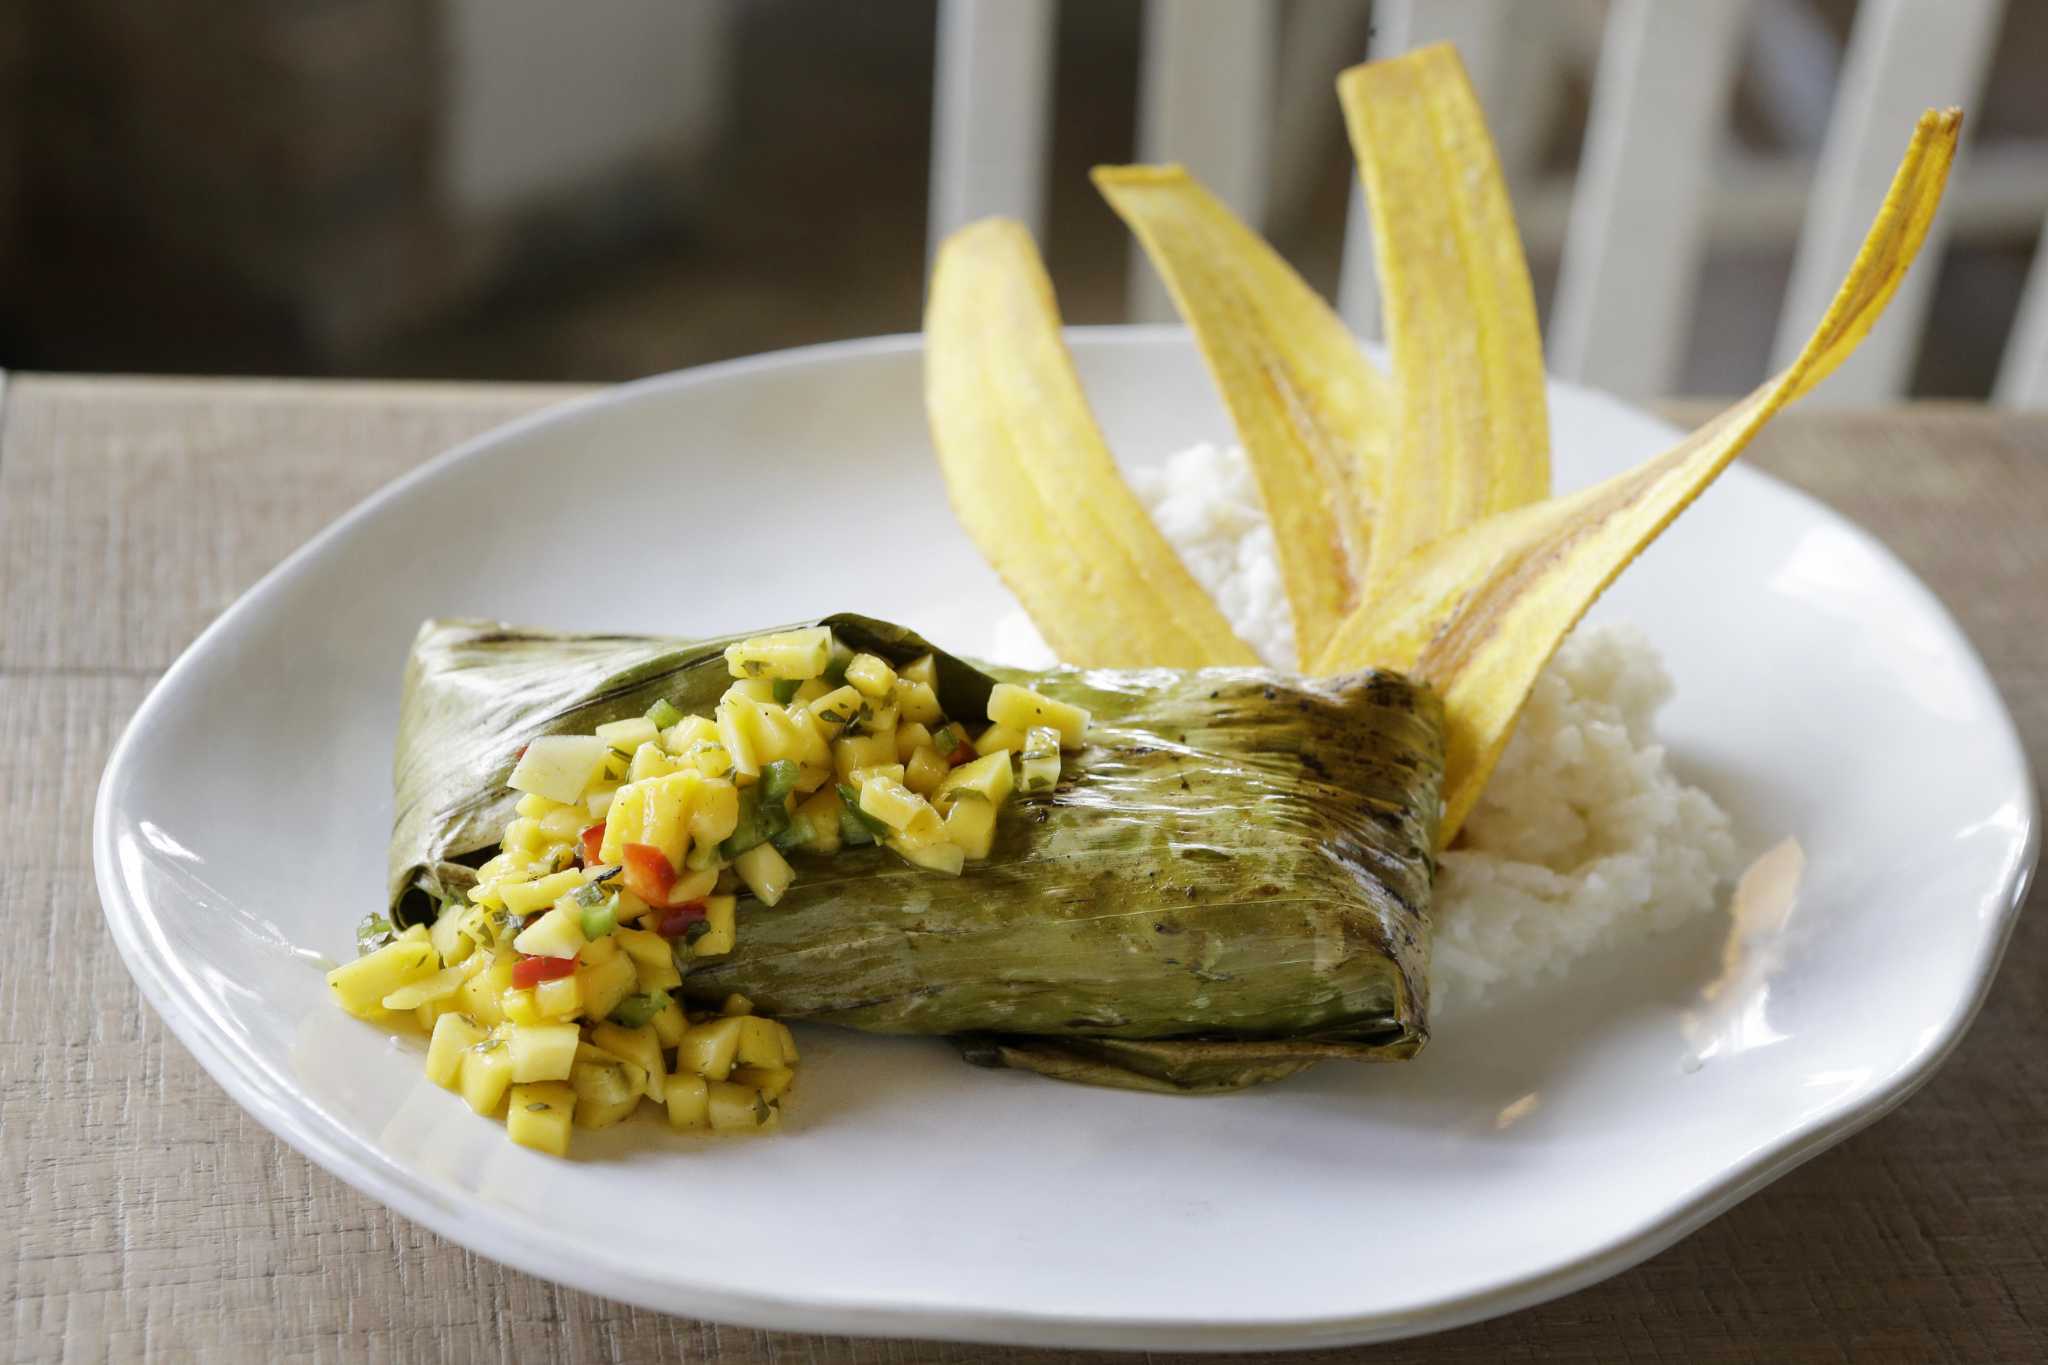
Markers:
point(910, 737)
point(520, 1007)
point(360, 986)
point(772, 1082)
point(533, 807)
point(670, 1024)
point(715, 812)
point(892, 772)
point(820, 815)
point(836, 710)
point(760, 1042)
point(738, 722)
point(449, 941)
point(542, 1052)
point(558, 933)
point(998, 739)
point(916, 701)
point(689, 1108)
point(738, 1108)
point(439, 986)
point(736, 1004)
point(989, 777)
point(627, 735)
point(480, 995)
point(708, 1049)
point(765, 871)
point(871, 676)
point(602, 949)
point(685, 735)
point(643, 946)
point(523, 898)
point(538, 1116)
point(894, 804)
point(789, 1057)
point(787, 654)
point(607, 1088)
point(453, 1037)
point(934, 855)
point(923, 669)
point(652, 977)
point(720, 914)
point(971, 824)
point(559, 767)
point(604, 984)
point(925, 771)
point(485, 1074)
point(651, 760)
point(805, 742)
point(1040, 770)
point(639, 1046)
point(1022, 709)
point(560, 998)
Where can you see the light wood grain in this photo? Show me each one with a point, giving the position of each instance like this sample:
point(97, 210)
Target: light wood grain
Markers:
point(147, 1216)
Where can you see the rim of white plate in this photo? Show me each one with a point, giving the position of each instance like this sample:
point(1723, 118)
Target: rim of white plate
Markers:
point(302, 1124)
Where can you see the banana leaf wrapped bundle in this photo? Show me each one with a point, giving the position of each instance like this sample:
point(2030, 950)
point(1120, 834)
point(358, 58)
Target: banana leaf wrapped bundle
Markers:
point(1230, 882)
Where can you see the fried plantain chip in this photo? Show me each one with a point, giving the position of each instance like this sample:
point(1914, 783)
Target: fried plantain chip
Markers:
point(1031, 477)
point(1479, 613)
point(1473, 436)
point(1312, 412)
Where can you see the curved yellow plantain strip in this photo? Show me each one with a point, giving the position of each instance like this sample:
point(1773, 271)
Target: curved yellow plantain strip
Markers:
point(1313, 413)
point(1474, 436)
point(1031, 478)
point(1479, 613)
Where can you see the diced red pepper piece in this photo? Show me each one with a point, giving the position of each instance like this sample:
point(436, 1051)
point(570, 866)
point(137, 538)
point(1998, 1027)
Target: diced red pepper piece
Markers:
point(529, 972)
point(593, 843)
point(963, 752)
point(649, 874)
point(675, 923)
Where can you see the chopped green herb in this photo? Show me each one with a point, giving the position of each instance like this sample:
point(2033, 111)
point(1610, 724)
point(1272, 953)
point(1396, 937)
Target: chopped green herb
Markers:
point(664, 714)
point(537, 1107)
point(945, 739)
point(591, 895)
point(784, 690)
point(761, 1114)
point(696, 930)
point(489, 1045)
point(374, 932)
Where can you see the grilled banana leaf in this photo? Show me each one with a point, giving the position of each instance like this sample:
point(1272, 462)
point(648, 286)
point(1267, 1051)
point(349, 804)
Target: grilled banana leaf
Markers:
point(1230, 883)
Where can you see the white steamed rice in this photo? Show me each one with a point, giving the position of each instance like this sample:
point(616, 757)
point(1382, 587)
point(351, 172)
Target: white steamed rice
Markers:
point(1585, 839)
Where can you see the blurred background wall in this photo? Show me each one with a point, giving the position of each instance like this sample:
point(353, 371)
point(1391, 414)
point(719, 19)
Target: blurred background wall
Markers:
point(527, 189)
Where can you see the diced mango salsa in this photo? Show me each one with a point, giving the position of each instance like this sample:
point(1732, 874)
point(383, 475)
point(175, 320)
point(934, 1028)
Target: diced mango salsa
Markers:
point(554, 991)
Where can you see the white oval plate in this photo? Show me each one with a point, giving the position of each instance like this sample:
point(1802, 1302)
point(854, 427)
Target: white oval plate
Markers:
point(1824, 696)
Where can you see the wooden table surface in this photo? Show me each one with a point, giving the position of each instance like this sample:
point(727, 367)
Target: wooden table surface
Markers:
point(147, 1215)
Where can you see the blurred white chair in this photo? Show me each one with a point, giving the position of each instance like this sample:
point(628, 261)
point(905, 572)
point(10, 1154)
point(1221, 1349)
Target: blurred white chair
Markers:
point(1658, 179)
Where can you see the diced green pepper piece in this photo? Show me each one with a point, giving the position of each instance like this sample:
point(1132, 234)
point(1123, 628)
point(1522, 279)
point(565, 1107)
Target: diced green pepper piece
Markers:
point(599, 920)
point(760, 820)
point(785, 689)
point(849, 804)
point(778, 780)
point(636, 1010)
point(664, 714)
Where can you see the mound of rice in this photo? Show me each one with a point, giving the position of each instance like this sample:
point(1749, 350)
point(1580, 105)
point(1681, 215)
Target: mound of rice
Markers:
point(1584, 839)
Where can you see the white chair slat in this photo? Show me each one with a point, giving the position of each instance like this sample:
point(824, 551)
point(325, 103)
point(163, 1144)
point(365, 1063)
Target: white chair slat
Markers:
point(1481, 31)
point(1632, 250)
point(991, 107)
point(1903, 56)
point(2023, 372)
point(1205, 99)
